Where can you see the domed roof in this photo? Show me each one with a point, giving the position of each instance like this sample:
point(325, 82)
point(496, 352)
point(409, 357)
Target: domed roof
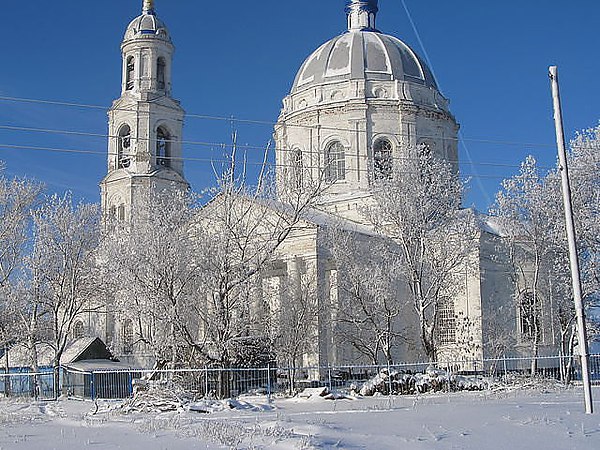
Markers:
point(147, 25)
point(363, 53)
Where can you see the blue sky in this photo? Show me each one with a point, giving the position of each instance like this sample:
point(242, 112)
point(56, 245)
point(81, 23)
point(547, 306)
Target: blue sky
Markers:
point(238, 59)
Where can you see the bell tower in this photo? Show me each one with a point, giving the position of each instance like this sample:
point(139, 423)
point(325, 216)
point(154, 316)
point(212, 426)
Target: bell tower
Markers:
point(145, 124)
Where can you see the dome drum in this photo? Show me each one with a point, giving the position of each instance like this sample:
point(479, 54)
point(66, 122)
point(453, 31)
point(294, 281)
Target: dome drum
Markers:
point(389, 92)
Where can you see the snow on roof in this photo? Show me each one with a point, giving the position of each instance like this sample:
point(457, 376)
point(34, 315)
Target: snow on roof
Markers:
point(19, 355)
point(311, 215)
point(487, 223)
point(75, 349)
point(88, 365)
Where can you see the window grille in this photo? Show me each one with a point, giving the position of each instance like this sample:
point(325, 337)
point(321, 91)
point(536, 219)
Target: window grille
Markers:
point(335, 162)
point(382, 160)
point(446, 322)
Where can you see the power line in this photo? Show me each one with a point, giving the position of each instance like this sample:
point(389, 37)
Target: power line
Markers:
point(223, 145)
point(269, 123)
point(217, 160)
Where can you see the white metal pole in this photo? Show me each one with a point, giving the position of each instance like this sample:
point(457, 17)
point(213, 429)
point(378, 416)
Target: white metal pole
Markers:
point(575, 275)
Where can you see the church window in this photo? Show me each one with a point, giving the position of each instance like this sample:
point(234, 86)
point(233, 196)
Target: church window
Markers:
point(382, 159)
point(129, 73)
point(78, 330)
point(127, 336)
point(335, 162)
point(446, 322)
point(161, 67)
point(124, 147)
point(163, 147)
point(112, 212)
point(528, 316)
point(121, 212)
point(297, 168)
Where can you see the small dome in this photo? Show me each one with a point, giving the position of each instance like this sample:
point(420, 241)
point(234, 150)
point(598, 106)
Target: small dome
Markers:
point(148, 25)
point(363, 54)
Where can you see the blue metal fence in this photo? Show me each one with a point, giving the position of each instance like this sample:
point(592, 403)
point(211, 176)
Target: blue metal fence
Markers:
point(232, 382)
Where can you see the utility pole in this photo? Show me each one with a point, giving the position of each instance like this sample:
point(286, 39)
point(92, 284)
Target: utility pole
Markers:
point(575, 274)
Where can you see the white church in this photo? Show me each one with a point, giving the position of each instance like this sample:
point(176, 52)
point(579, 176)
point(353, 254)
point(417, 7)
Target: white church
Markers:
point(356, 102)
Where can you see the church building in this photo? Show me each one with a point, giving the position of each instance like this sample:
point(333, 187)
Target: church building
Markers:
point(357, 103)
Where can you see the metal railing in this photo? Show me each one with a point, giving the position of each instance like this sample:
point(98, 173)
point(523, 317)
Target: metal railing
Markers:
point(39, 385)
point(232, 382)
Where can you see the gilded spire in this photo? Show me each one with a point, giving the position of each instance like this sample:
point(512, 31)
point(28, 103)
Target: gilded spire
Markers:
point(148, 7)
point(362, 14)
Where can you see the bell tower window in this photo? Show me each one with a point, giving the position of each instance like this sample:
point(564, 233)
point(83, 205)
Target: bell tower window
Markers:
point(124, 147)
point(161, 68)
point(129, 73)
point(382, 160)
point(335, 162)
point(163, 147)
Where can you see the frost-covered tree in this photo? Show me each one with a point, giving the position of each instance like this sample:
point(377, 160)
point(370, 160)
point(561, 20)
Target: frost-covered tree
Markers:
point(59, 280)
point(584, 164)
point(149, 266)
point(531, 214)
point(525, 210)
point(17, 198)
point(238, 234)
point(420, 208)
point(372, 309)
point(292, 322)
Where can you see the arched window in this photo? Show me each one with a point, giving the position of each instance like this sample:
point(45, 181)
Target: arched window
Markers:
point(121, 212)
point(382, 160)
point(129, 73)
point(335, 162)
point(161, 67)
point(297, 168)
point(127, 336)
point(78, 330)
point(124, 147)
point(163, 147)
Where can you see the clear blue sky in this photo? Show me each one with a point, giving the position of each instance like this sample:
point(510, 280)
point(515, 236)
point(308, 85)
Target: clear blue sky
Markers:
point(239, 59)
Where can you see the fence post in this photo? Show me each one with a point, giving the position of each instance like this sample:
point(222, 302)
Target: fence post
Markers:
point(6, 383)
point(329, 377)
point(269, 383)
point(389, 378)
point(93, 386)
point(130, 380)
point(205, 381)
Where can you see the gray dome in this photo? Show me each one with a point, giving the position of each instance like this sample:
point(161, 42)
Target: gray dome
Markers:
point(364, 54)
point(147, 26)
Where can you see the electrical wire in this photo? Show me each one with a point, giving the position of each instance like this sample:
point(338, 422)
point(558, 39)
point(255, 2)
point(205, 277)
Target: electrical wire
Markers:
point(223, 145)
point(222, 160)
point(273, 124)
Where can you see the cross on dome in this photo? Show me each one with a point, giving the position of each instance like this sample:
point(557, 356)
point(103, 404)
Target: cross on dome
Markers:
point(148, 7)
point(361, 14)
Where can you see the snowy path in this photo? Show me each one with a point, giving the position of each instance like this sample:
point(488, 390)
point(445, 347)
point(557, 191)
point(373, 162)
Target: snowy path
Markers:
point(516, 420)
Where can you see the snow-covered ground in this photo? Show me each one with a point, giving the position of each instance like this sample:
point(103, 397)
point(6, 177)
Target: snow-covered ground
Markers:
point(477, 420)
